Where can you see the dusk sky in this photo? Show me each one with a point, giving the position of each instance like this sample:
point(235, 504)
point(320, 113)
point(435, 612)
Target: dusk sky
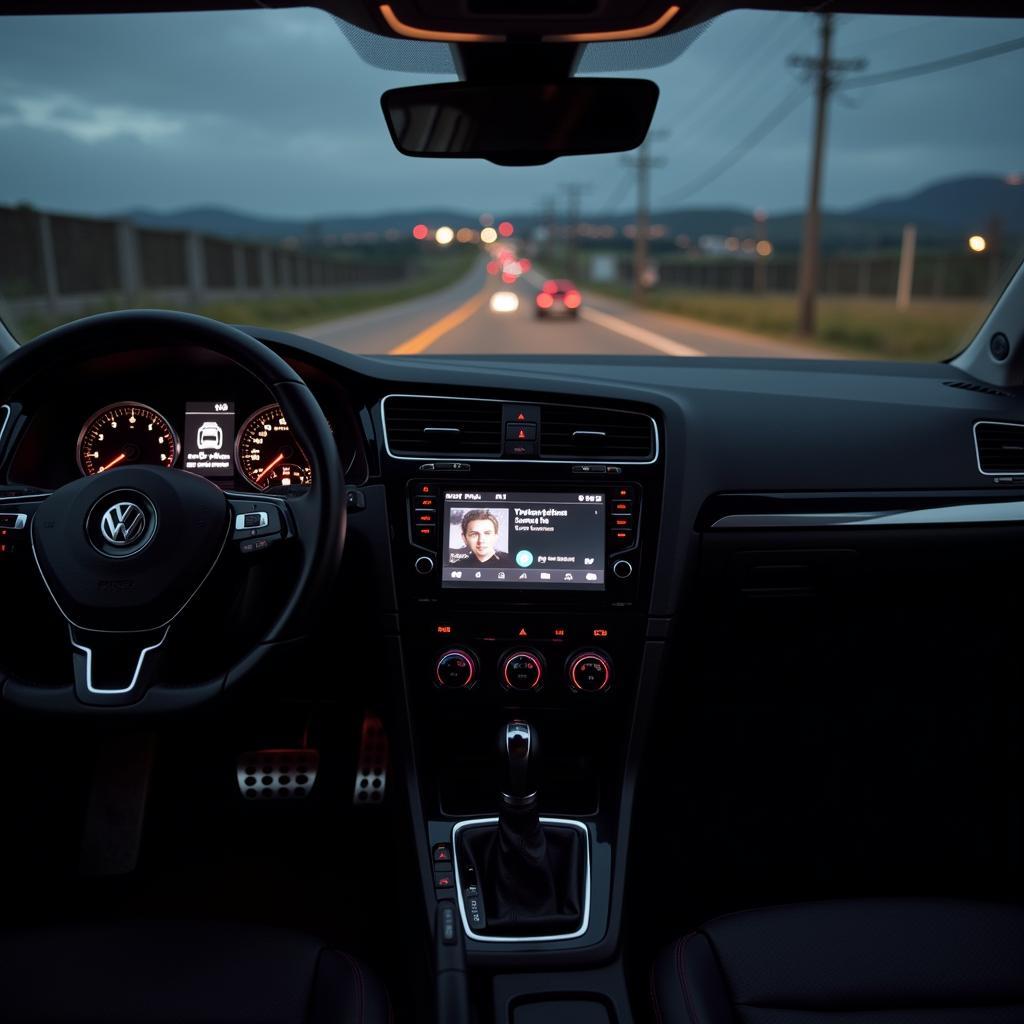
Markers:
point(274, 113)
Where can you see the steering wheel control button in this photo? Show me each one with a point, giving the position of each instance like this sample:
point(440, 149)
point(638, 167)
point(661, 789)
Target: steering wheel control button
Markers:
point(590, 672)
point(251, 520)
point(456, 670)
point(522, 671)
point(424, 565)
point(622, 569)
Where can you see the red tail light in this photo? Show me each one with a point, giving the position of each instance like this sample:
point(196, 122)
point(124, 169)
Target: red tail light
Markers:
point(509, 278)
point(572, 300)
point(493, 267)
point(551, 287)
point(545, 300)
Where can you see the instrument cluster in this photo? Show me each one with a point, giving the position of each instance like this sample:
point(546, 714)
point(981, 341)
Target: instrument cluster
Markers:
point(262, 450)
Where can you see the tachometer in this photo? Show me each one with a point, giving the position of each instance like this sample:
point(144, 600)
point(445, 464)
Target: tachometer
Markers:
point(268, 454)
point(126, 434)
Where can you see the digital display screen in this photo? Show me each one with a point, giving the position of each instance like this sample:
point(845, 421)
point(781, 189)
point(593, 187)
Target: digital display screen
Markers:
point(209, 439)
point(511, 539)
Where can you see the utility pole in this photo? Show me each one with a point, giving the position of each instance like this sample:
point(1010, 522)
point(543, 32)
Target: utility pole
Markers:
point(574, 191)
point(824, 67)
point(642, 163)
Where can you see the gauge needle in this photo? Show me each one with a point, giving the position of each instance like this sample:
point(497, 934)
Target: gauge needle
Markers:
point(268, 468)
point(113, 462)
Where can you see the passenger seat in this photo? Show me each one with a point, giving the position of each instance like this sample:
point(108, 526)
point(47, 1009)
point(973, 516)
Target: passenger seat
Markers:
point(848, 962)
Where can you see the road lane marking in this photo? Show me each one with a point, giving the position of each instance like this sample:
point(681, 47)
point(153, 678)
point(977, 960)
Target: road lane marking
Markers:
point(421, 342)
point(658, 342)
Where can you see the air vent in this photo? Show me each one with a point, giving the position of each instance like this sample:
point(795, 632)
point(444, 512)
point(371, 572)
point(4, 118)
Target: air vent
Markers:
point(442, 426)
point(1000, 447)
point(609, 435)
point(965, 385)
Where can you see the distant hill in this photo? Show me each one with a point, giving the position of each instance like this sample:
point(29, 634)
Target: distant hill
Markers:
point(962, 205)
point(944, 213)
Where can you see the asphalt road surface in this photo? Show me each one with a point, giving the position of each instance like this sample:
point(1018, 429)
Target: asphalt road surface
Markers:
point(460, 321)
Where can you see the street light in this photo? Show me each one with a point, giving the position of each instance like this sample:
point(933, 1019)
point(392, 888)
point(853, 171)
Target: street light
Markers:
point(977, 243)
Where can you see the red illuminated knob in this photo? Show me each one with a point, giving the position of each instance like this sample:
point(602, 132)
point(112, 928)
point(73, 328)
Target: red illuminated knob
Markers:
point(522, 670)
point(590, 672)
point(455, 670)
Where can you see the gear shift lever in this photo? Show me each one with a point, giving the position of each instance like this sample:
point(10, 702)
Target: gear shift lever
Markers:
point(518, 742)
point(531, 875)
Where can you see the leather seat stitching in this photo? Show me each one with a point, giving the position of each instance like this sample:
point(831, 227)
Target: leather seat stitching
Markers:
point(681, 975)
point(358, 974)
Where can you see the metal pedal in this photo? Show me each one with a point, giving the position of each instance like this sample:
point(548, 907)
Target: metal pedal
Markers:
point(372, 765)
point(277, 774)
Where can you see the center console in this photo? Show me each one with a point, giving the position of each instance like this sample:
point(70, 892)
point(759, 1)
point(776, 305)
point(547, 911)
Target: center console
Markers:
point(523, 592)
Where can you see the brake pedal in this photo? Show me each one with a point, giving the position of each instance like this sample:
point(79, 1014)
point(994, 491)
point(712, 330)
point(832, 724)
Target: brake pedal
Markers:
point(277, 774)
point(372, 765)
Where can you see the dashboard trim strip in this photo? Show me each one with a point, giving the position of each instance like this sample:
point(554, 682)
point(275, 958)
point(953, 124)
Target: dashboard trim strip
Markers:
point(513, 461)
point(585, 923)
point(973, 514)
point(3, 426)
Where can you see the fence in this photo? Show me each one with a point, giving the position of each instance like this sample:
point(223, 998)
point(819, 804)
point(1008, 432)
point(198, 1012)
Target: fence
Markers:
point(936, 275)
point(64, 264)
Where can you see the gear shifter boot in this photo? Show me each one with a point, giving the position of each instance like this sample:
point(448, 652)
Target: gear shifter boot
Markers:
point(531, 876)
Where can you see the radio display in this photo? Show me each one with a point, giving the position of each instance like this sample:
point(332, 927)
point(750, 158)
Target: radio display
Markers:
point(513, 539)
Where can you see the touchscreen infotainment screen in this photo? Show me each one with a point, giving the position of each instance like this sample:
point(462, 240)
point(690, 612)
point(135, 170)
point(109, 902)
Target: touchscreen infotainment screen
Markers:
point(512, 539)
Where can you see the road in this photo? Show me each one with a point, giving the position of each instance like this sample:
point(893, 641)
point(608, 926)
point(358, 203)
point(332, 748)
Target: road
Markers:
point(459, 320)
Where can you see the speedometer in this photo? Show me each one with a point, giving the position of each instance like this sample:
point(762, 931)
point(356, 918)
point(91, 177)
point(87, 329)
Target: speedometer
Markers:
point(126, 434)
point(268, 454)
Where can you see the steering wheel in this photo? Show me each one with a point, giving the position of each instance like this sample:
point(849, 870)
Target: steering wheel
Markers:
point(123, 553)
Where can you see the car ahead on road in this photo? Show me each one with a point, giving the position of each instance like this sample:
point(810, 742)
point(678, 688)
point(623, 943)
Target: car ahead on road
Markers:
point(558, 297)
point(506, 683)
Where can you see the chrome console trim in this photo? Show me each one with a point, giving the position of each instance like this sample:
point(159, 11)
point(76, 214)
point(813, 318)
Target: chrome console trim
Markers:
point(585, 922)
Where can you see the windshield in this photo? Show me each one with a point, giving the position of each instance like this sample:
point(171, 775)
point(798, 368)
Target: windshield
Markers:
point(812, 185)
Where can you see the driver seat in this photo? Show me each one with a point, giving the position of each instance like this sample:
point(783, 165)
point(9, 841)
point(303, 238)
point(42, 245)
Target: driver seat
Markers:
point(175, 973)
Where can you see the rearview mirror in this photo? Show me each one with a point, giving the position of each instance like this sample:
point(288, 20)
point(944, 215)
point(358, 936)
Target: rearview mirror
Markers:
point(520, 123)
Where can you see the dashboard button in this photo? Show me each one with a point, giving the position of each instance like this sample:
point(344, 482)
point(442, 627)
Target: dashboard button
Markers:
point(522, 671)
point(423, 565)
point(520, 431)
point(521, 449)
point(623, 569)
point(455, 670)
point(590, 672)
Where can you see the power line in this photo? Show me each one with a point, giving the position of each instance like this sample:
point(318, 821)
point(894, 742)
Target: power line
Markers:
point(741, 149)
point(928, 68)
point(619, 192)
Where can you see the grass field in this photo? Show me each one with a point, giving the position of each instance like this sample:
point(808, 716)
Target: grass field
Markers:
point(292, 312)
point(873, 327)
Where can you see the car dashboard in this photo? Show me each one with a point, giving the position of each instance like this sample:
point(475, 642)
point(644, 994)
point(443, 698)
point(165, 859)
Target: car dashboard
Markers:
point(626, 554)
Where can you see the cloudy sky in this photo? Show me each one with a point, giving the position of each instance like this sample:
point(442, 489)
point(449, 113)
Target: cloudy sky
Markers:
point(273, 112)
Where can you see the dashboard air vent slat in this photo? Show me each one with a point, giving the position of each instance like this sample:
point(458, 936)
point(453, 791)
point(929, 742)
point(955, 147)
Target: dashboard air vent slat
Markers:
point(568, 432)
point(1000, 447)
point(440, 426)
point(966, 385)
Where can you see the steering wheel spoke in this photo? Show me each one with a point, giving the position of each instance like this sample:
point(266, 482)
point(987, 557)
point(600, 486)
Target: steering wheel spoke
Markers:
point(114, 668)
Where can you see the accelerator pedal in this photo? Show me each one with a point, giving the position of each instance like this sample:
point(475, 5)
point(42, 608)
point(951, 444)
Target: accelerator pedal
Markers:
point(372, 765)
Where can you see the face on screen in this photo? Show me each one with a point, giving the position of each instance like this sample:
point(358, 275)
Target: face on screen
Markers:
point(481, 535)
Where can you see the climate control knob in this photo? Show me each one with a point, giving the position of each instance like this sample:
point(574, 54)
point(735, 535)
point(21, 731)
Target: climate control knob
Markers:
point(456, 669)
point(522, 670)
point(590, 672)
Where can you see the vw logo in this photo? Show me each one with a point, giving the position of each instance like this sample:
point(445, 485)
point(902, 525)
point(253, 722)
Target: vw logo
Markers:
point(122, 524)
